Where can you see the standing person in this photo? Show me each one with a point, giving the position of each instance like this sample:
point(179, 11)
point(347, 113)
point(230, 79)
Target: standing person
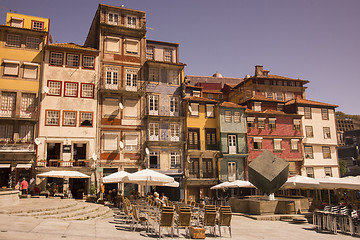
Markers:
point(24, 186)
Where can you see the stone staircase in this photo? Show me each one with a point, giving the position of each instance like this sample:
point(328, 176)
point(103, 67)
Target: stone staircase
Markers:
point(67, 209)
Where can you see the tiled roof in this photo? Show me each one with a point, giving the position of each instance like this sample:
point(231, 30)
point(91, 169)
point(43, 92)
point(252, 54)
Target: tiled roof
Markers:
point(231, 85)
point(309, 102)
point(71, 45)
point(192, 86)
point(231, 105)
point(212, 91)
point(199, 99)
point(263, 98)
point(271, 112)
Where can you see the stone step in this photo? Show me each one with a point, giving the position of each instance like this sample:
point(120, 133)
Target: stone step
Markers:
point(79, 211)
point(74, 207)
point(100, 213)
point(49, 205)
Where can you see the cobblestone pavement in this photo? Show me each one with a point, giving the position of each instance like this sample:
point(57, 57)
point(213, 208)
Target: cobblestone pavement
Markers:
point(17, 227)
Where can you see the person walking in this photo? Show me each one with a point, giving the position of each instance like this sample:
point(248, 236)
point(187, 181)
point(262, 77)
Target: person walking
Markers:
point(24, 186)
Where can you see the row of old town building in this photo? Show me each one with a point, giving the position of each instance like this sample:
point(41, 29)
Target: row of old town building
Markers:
point(122, 102)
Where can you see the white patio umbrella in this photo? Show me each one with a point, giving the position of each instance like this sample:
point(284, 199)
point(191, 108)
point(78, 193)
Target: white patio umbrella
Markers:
point(301, 182)
point(173, 184)
point(148, 177)
point(220, 185)
point(63, 174)
point(115, 177)
point(345, 183)
point(240, 184)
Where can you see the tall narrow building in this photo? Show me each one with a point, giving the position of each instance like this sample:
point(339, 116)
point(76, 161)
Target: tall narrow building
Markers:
point(21, 52)
point(119, 34)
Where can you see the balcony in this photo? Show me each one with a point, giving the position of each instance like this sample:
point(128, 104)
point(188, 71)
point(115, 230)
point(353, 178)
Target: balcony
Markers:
point(162, 114)
point(138, 31)
point(62, 163)
point(136, 89)
point(17, 147)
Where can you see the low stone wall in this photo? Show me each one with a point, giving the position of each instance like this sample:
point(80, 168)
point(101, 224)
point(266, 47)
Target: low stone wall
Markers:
point(9, 197)
point(258, 206)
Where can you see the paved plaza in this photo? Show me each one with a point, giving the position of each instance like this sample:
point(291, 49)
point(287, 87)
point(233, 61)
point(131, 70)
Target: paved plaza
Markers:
point(14, 226)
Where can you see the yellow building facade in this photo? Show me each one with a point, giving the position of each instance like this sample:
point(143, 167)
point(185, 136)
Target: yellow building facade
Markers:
point(201, 164)
point(22, 39)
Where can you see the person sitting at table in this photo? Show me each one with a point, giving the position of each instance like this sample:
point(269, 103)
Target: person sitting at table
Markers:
point(158, 200)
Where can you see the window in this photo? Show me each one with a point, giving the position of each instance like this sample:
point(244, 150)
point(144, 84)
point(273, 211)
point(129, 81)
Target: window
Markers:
point(207, 168)
point(237, 117)
point(131, 46)
point(325, 114)
point(326, 131)
point(277, 144)
point(210, 134)
point(89, 62)
point(153, 105)
point(280, 107)
point(131, 142)
point(27, 105)
point(307, 112)
point(175, 159)
point(131, 79)
point(13, 40)
point(131, 108)
point(272, 123)
point(110, 141)
point(194, 109)
point(309, 131)
point(72, 60)
point(193, 139)
point(37, 25)
point(11, 68)
point(210, 111)
point(232, 144)
point(87, 90)
point(257, 143)
point(8, 104)
point(30, 70)
point(131, 22)
point(168, 55)
point(111, 78)
point(231, 171)
point(194, 168)
point(26, 132)
point(261, 123)
point(267, 82)
point(69, 118)
point(112, 44)
point(292, 169)
point(279, 96)
point(113, 19)
point(150, 53)
point(86, 119)
point(54, 88)
point(32, 43)
point(174, 106)
point(211, 96)
point(56, 58)
point(292, 84)
point(257, 106)
point(79, 153)
point(174, 132)
point(71, 89)
point(53, 151)
point(173, 77)
point(328, 171)
point(310, 172)
point(326, 152)
point(250, 122)
point(16, 22)
point(227, 116)
point(294, 144)
point(52, 118)
point(308, 152)
point(289, 96)
point(153, 131)
point(154, 160)
point(296, 123)
point(154, 75)
point(269, 95)
point(6, 132)
point(196, 93)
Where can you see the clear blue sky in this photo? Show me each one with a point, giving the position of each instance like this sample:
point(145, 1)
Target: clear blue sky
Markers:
point(312, 40)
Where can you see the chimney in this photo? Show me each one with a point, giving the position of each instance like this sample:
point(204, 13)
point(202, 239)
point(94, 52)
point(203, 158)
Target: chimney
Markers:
point(258, 71)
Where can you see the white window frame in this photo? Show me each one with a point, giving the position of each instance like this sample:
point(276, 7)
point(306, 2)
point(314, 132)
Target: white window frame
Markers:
point(131, 21)
point(278, 144)
point(173, 77)
point(88, 62)
point(294, 144)
point(257, 106)
point(309, 152)
point(325, 114)
point(54, 88)
point(87, 90)
point(56, 58)
point(27, 105)
point(113, 18)
point(32, 43)
point(69, 118)
point(37, 25)
point(111, 78)
point(194, 109)
point(210, 110)
point(131, 142)
point(131, 79)
point(228, 117)
point(231, 171)
point(110, 142)
point(52, 118)
point(307, 113)
point(326, 131)
point(261, 123)
point(72, 60)
point(168, 55)
point(153, 105)
point(154, 132)
point(11, 68)
point(296, 124)
point(310, 172)
point(326, 152)
point(309, 131)
point(71, 89)
point(150, 53)
point(174, 132)
point(86, 116)
point(174, 103)
point(8, 104)
point(328, 171)
point(237, 117)
point(232, 144)
point(272, 123)
point(175, 160)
